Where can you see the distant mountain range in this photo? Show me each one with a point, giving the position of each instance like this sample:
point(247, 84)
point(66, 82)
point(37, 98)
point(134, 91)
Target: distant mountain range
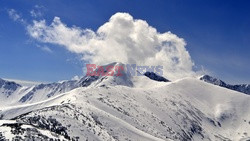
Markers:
point(111, 108)
point(244, 88)
point(44, 91)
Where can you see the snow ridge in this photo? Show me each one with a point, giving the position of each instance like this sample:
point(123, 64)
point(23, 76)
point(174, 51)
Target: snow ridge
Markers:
point(244, 88)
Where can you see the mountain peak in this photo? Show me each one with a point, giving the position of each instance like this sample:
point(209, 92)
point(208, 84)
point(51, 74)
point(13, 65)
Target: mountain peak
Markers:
point(213, 80)
point(109, 74)
point(155, 77)
point(8, 87)
point(117, 73)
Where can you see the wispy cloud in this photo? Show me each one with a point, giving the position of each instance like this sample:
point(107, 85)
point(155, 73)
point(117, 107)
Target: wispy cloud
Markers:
point(121, 39)
point(44, 48)
point(37, 11)
point(16, 16)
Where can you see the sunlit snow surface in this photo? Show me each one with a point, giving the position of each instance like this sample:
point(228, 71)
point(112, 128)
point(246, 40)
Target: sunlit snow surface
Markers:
point(186, 109)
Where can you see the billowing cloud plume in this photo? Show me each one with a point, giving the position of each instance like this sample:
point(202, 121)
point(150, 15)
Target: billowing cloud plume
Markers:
point(121, 39)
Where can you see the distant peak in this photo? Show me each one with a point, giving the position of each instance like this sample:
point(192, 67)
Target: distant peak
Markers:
point(244, 88)
point(213, 80)
point(9, 82)
point(155, 77)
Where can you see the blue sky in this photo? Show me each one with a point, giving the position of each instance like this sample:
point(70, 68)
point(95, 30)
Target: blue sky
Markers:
point(217, 34)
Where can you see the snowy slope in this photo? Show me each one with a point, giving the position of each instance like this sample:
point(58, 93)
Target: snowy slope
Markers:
point(12, 93)
point(15, 94)
point(187, 109)
point(9, 92)
point(7, 88)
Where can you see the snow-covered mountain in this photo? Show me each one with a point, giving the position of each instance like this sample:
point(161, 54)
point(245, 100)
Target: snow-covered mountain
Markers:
point(131, 108)
point(8, 87)
point(15, 94)
point(244, 88)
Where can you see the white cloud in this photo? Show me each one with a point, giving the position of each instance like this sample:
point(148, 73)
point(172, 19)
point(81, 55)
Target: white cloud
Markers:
point(45, 48)
point(75, 78)
point(37, 11)
point(121, 39)
point(15, 16)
